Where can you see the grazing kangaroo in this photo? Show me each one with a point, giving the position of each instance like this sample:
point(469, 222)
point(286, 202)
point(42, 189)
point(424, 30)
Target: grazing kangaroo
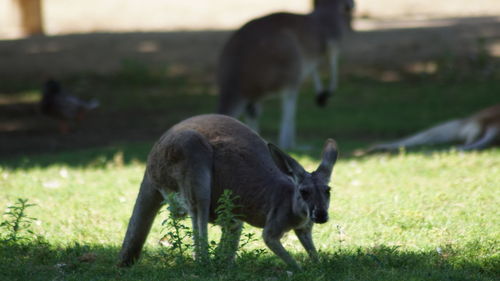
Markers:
point(201, 157)
point(274, 54)
point(477, 131)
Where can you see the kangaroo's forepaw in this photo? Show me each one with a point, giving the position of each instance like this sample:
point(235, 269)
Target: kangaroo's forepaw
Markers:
point(322, 98)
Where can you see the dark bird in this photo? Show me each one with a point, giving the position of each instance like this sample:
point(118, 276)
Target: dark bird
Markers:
point(59, 105)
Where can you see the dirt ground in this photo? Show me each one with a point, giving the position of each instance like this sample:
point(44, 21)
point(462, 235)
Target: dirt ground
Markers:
point(379, 47)
point(380, 42)
point(97, 36)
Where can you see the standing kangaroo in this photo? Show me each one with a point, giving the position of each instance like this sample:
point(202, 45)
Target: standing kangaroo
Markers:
point(274, 54)
point(477, 131)
point(201, 157)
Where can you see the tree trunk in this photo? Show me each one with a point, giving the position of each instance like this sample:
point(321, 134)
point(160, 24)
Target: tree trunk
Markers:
point(31, 19)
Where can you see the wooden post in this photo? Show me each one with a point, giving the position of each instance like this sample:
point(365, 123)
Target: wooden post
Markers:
point(31, 19)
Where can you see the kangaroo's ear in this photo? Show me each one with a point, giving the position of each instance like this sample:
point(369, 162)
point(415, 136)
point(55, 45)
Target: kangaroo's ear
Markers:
point(285, 163)
point(328, 159)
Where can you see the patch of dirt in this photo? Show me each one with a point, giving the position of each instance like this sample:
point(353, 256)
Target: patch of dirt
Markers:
point(385, 43)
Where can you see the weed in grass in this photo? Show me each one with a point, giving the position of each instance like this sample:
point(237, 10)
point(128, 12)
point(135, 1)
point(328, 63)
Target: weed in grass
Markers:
point(178, 237)
point(176, 233)
point(229, 224)
point(341, 235)
point(17, 225)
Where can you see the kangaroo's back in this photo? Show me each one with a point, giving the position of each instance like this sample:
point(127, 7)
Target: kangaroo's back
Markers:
point(241, 161)
point(227, 136)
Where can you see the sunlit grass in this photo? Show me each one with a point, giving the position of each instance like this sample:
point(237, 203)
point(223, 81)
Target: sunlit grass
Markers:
point(20, 97)
point(387, 212)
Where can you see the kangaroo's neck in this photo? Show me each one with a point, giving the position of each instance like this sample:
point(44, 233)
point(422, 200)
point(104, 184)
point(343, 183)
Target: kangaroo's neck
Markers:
point(298, 206)
point(283, 186)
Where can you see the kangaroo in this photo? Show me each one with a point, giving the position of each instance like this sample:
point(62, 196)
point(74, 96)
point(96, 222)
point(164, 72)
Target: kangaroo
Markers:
point(202, 156)
point(274, 54)
point(477, 131)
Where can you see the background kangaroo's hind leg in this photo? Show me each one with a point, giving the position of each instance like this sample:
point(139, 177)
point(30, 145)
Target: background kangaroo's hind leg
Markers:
point(323, 95)
point(252, 113)
point(146, 207)
point(231, 104)
point(442, 133)
point(490, 135)
point(333, 59)
point(288, 108)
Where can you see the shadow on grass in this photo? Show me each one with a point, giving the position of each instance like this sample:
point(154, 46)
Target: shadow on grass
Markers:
point(41, 261)
point(406, 80)
point(133, 115)
point(137, 152)
point(117, 155)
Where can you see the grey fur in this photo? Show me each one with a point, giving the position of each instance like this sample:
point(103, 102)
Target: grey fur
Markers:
point(478, 131)
point(274, 54)
point(202, 156)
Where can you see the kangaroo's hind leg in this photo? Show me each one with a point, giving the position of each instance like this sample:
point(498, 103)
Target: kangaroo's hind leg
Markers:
point(489, 136)
point(194, 180)
point(439, 134)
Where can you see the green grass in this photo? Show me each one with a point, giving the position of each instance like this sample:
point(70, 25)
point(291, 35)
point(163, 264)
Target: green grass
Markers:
point(402, 217)
point(418, 215)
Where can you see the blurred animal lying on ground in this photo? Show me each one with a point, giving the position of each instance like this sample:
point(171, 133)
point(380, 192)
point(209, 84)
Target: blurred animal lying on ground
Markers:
point(478, 131)
point(59, 105)
point(200, 157)
point(274, 54)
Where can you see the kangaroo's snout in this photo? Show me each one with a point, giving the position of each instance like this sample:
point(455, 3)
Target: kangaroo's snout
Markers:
point(319, 216)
